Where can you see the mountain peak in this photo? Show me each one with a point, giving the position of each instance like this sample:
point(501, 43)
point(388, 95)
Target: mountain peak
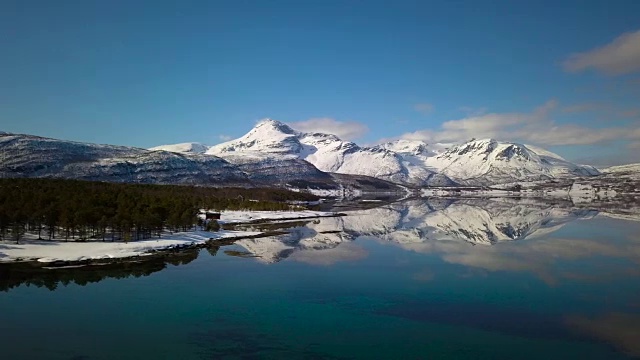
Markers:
point(270, 125)
point(268, 136)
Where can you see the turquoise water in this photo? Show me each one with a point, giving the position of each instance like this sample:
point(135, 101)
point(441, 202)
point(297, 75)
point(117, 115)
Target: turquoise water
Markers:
point(416, 280)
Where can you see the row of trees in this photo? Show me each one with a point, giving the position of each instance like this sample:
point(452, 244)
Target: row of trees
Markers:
point(81, 210)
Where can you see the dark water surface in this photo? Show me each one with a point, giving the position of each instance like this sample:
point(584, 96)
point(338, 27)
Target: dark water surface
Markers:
point(496, 279)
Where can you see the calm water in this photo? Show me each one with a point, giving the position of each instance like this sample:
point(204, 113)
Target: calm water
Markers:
point(416, 280)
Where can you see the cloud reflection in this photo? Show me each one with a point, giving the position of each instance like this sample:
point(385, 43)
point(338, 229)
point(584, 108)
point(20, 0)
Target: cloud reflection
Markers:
point(345, 252)
point(488, 235)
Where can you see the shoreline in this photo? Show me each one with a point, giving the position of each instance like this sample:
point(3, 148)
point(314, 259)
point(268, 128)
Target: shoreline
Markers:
point(71, 253)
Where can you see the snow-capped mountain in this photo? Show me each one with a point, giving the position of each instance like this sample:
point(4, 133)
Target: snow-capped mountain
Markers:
point(486, 162)
point(328, 153)
point(273, 153)
point(34, 156)
point(477, 162)
point(187, 148)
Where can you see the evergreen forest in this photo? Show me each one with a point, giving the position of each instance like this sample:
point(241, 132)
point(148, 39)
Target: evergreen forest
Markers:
point(55, 209)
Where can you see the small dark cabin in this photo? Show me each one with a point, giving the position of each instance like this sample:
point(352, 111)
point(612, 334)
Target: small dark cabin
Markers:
point(212, 215)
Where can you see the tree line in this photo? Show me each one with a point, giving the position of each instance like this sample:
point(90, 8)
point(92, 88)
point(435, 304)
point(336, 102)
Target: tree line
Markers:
point(82, 210)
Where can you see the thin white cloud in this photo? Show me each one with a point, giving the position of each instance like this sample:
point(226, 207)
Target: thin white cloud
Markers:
point(348, 130)
point(574, 135)
point(223, 137)
point(423, 108)
point(621, 56)
point(535, 127)
point(344, 252)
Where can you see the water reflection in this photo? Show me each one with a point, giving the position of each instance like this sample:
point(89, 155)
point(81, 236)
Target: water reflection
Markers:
point(562, 277)
point(31, 274)
point(449, 228)
point(441, 226)
point(488, 236)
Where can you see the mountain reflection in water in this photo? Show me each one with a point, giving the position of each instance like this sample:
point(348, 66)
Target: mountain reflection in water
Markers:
point(422, 226)
point(513, 273)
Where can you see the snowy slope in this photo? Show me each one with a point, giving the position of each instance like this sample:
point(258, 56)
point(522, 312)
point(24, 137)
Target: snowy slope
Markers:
point(328, 153)
point(33, 156)
point(630, 168)
point(414, 147)
point(485, 162)
point(477, 162)
point(414, 154)
point(189, 148)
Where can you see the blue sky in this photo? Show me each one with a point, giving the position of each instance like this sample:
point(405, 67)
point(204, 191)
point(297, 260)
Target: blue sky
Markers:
point(561, 74)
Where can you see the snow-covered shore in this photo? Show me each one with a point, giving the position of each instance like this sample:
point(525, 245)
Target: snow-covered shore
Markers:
point(45, 251)
point(242, 217)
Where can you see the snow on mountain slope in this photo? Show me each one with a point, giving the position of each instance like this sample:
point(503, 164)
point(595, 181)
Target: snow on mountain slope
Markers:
point(33, 156)
point(414, 155)
point(630, 168)
point(477, 162)
point(189, 148)
point(268, 136)
point(328, 153)
point(414, 147)
point(544, 152)
point(486, 162)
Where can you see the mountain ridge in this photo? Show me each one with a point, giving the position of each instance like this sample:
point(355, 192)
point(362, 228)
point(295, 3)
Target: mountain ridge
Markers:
point(24, 155)
point(273, 152)
point(476, 162)
point(328, 153)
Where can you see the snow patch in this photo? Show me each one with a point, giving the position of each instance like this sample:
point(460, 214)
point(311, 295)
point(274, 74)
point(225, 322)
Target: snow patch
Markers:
point(189, 148)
